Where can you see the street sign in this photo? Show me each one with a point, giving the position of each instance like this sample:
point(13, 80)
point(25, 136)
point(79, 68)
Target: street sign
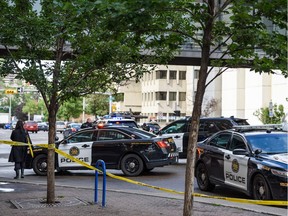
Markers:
point(10, 91)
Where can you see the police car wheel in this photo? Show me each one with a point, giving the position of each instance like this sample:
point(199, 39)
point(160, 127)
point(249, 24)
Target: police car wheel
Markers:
point(40, 164)
point(203, 179)
point(132, 165)
point(261, 190)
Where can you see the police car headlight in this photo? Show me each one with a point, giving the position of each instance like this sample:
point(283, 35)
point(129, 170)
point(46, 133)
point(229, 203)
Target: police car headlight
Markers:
point(280, 173)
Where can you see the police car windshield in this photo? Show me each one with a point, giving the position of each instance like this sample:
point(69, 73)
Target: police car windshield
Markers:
point(269, 143)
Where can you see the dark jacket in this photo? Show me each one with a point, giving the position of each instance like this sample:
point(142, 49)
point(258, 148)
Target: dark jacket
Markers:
point(86, 125)
point(18, 153)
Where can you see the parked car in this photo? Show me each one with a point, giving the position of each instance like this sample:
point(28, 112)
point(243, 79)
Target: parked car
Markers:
point(131, 150)
point(42, 126)
point(7, 126)
point(71, 128)
point(153, 127)
point(31, 126)
point(179, 130)
point(60, 126)
point(248, 159)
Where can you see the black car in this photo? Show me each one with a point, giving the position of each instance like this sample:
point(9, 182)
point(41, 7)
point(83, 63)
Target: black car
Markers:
point(130, 149)
point(179, 130)
point(42, 126)
point(246, 159)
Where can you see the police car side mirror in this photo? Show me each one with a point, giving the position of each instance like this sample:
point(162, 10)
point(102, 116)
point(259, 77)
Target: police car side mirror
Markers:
point(56, 138)
point(240, 152)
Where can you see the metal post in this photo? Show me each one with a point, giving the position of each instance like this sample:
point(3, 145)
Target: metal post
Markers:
point(102, 163)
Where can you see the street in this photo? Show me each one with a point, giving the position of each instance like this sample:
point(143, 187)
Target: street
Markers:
point(171, 177)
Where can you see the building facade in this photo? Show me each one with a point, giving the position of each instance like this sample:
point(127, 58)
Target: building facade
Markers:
point(237, 92)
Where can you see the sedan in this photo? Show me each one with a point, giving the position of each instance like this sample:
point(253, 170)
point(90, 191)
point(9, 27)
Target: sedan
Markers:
point(42, 126)
point(31, 126)
point(247, 159)
point(131, 150)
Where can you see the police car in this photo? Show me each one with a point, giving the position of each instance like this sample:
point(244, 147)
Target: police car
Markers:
point(179, 130)
point(253, 160)
point(128, 149)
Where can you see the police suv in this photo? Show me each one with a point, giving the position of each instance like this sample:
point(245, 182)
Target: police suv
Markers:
point(179, 130)
point(130, 149)
point(251, 159)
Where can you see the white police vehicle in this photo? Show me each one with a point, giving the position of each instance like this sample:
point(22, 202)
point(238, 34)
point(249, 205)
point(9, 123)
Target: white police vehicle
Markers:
point(253, 160)
point(179, 130)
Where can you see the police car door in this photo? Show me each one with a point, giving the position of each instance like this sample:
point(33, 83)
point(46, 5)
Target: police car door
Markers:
point(178, 131)
point(236, 166)
point(78, 145)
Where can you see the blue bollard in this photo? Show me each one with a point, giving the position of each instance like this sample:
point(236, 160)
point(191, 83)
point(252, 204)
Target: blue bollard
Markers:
point(102, 163)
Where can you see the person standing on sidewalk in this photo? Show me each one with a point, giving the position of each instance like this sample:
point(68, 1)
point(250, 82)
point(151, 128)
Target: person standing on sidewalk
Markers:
point(18, 153)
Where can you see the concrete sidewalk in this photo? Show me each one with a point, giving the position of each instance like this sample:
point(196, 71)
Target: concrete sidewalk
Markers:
point(18, 198)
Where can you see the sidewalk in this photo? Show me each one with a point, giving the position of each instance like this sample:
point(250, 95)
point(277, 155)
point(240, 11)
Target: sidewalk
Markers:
point(79, 201)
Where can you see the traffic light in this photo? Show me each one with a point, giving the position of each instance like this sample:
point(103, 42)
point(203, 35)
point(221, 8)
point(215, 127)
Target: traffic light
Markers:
point(20, 89)
point(177, 112)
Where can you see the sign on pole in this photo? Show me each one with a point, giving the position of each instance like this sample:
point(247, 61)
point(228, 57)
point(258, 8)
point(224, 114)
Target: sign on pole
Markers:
point(10, 91)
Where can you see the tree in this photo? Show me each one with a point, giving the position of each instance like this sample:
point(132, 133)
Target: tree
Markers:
point(67, 50)
point(98, 104)
point(103, 33)
point(263, 114)
point(70, 109)
point(240, 33)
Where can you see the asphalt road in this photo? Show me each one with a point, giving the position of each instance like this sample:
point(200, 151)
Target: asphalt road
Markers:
point(171, 177)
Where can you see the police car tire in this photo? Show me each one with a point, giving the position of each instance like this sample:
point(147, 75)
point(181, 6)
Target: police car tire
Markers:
point(127, 160)
point(204, 185)
point(36, 163)
point(260, 182)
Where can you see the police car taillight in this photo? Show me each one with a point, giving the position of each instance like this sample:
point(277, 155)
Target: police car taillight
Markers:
point(162, 144)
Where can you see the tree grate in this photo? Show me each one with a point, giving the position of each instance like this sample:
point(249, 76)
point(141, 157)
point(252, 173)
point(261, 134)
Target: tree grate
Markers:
point(41, 203)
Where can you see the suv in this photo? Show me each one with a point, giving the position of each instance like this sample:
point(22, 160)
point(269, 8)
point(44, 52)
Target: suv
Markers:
point(179, 130)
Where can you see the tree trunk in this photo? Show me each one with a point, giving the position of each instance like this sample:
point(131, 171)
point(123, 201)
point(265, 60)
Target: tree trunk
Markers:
point(193, 136)
point(51, 157)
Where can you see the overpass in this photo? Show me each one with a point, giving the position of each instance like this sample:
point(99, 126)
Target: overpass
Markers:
point(188, 55)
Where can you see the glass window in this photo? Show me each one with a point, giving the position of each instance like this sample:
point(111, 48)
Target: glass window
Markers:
point(176, 127)
point(85, 136)
point(172, 74)
point(182, 75)
point(161, 95)
point(161, 74)
point(172, 96)
point(196, 74)
point(237, 143)
point(182, 96)
point(111, 135)
point(220, 141)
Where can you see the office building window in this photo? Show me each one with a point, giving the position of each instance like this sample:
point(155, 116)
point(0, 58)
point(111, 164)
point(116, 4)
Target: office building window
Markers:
point(182, 75)
point(172, 96)
point(161, 74)
point(182, 96)
point(172, 74)
point(161, 95)
point(196, 74)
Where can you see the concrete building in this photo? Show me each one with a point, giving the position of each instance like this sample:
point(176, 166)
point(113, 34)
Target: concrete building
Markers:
point(237, 92)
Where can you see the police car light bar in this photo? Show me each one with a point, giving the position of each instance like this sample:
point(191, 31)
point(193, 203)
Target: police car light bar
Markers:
point(263, 127)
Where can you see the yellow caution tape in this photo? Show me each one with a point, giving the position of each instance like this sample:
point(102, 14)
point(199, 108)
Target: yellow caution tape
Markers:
point(260, 202)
